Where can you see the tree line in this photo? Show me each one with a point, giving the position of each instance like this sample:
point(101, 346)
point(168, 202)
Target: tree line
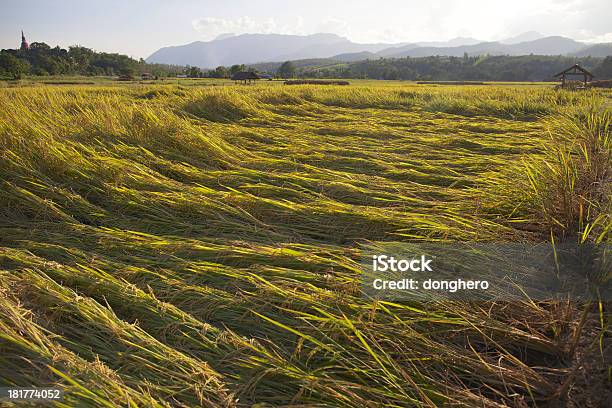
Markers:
point(435, 68)
point(42, 59)
point(468, 68)
point(286, 70)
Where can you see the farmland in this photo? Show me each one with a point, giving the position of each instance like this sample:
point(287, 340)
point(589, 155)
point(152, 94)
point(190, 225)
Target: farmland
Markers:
point(173, 245)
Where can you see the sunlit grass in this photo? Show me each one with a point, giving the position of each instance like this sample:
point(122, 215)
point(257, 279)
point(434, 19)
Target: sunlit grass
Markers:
point(174, 246)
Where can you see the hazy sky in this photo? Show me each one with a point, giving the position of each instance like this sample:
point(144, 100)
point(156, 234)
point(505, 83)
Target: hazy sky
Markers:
point(139, 27)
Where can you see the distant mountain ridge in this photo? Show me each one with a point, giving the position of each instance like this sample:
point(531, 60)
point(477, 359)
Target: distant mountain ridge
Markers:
point(595, 50)
point(523, 37)
point(228, 49)
point(554, 45)
point(252, 48)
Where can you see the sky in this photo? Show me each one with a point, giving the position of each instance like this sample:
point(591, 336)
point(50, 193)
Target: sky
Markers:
point(140, 27)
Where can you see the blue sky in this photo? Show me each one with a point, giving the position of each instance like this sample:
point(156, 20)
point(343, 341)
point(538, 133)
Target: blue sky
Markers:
point(139, 27)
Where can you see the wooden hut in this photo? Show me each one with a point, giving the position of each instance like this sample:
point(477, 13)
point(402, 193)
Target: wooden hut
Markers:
point(573, 71)
point(245, 76)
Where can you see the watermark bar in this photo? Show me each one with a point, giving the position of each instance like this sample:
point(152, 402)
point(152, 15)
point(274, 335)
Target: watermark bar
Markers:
point(31, 394)
point(486, 271)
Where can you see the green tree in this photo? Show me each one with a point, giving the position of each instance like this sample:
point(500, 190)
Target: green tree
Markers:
point(237, 68)
point(220, 72)
point(194, 72)
point(80, 58)
point(287, 70)
point(41, 47)
point(13, 66)
point(604, 70)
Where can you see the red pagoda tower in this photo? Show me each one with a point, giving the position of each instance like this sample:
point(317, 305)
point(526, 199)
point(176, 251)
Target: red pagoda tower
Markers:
point(24, 43)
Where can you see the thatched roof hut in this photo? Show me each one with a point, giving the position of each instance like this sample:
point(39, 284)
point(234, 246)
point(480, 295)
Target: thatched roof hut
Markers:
point(245, 76)
point(575, 70)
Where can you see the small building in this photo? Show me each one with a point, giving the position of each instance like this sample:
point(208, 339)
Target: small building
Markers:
point(573, 71)
point(145, 76)
point(245, 76)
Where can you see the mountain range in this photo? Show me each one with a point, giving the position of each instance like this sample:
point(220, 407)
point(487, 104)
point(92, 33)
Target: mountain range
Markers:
point(229, 49)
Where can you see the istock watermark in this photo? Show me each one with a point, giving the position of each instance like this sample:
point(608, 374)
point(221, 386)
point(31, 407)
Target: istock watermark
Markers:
point(486, 271)
point(383, 263)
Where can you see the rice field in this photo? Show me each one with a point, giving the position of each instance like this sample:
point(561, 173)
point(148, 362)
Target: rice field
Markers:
point(171, 246)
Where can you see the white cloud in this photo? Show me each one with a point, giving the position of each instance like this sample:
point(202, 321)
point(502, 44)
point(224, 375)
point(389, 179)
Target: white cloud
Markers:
point(333, 25)
point(602, 38)
point(584, 20)
point(436, 20)
point(211, 27)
